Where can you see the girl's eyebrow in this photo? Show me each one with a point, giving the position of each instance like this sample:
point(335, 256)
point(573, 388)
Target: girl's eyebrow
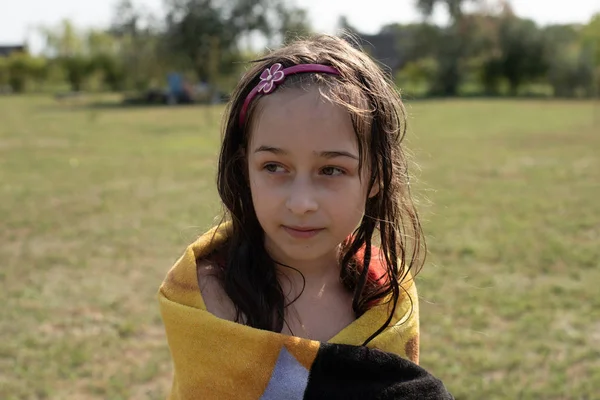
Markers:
point(337, 153)
point(323, 154)
point(270, 149)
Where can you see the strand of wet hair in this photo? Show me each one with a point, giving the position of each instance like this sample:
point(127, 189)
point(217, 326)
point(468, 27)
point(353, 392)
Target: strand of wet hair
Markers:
point(280, 312)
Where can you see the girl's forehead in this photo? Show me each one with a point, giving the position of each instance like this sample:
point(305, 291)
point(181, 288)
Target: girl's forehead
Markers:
point(299, 118)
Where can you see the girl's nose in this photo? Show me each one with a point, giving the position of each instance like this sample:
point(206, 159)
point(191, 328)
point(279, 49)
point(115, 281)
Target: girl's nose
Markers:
point(301, 198)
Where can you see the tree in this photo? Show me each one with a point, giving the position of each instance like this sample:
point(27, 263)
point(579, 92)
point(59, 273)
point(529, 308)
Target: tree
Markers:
point(591, 36)
point(522, 51)
point(77, 69)
point(205, 34)
point(344, 25)
point(415, 78)
point(101, 42)
point(591, 40)
point(141, 55)
point(572, 74)
point(415, 41)
point(18, 71)
point(112, 69)
point(454, 7)
point(66, 45)
point(21, 70)
point(483, 54)
point(62, 41)
point(197, 34)
point(452, 45)
point(571, 59)
point(292, 22)
point(4, 76)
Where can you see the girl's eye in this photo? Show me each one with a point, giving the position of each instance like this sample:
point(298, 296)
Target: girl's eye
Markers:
point(273, 168)
point(332, 171)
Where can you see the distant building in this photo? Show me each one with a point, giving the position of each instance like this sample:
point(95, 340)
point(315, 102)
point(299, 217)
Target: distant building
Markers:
point(6, 51)
point(383, 47)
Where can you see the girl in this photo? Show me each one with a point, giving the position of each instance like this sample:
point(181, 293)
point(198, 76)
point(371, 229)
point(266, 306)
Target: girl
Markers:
point(288, 297)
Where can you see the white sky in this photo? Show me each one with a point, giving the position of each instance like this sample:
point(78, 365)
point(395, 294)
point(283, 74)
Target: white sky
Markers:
point(19, 18)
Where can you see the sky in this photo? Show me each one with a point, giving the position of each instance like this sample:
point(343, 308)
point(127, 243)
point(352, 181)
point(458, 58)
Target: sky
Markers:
point(19, 18)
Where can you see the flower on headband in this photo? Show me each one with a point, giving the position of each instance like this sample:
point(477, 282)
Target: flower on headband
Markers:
point(269, 78)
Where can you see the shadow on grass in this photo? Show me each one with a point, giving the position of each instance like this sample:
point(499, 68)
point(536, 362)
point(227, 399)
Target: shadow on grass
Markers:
point(83, 104)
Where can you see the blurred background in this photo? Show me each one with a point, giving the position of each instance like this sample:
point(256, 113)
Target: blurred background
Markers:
point(109, 133)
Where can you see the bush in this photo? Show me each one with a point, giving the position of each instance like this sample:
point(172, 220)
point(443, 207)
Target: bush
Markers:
point(77, 69)
point(111, 69)
point(415, 77)
point(20, 71)
point(572, 75)
point(3, 73)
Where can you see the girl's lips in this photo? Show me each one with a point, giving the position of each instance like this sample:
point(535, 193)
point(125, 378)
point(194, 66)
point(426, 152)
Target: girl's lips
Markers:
point(302, 233)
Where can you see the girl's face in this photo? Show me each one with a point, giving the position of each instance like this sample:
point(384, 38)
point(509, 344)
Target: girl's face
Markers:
point(303, 170)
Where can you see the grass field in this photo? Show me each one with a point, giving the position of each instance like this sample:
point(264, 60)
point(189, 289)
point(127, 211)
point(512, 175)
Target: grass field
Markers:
point(97, 203)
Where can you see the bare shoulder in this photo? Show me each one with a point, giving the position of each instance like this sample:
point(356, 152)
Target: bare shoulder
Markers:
point(216, 300)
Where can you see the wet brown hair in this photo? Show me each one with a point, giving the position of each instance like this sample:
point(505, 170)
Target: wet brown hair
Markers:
point(378, 116)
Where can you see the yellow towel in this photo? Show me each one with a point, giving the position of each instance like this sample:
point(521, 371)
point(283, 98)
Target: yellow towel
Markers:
point(218, 359)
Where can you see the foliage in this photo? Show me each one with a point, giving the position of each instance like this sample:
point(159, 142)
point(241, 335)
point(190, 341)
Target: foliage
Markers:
point(21, 71)
point(292, 22)
point(4, 76)
point(572, 75)
point(416, 76)
point(205, 35)
point(520, 54)
point(452, 46)
point(77, 68)
point(112, 70)
point(490, 49)
point(590, 35)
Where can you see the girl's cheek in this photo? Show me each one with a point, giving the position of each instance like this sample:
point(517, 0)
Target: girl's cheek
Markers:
point(266, 181)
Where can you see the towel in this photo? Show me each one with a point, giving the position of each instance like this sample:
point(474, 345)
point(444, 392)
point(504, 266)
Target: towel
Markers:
point(218, 359)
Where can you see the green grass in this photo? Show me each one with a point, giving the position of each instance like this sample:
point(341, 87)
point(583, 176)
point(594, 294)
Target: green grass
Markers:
point(97, 203)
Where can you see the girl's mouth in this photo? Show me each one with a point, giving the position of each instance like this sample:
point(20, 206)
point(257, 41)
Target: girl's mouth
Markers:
point(302, 232)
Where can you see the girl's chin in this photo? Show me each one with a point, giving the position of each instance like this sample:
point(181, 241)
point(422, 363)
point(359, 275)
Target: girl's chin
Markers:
point(292, 252)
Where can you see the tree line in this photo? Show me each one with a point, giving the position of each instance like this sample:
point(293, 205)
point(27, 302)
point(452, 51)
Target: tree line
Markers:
point(486, 51)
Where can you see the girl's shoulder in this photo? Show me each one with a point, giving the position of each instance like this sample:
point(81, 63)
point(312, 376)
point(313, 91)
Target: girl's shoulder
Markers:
point(215, 299)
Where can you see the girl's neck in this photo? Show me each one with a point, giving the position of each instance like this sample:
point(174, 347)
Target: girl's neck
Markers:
point(309, 277)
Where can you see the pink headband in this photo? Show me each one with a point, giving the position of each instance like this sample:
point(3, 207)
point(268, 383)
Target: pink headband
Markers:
point(271, 77)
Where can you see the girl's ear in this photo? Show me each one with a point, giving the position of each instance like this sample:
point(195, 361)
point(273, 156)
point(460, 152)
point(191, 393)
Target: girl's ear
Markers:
point(375, 189)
